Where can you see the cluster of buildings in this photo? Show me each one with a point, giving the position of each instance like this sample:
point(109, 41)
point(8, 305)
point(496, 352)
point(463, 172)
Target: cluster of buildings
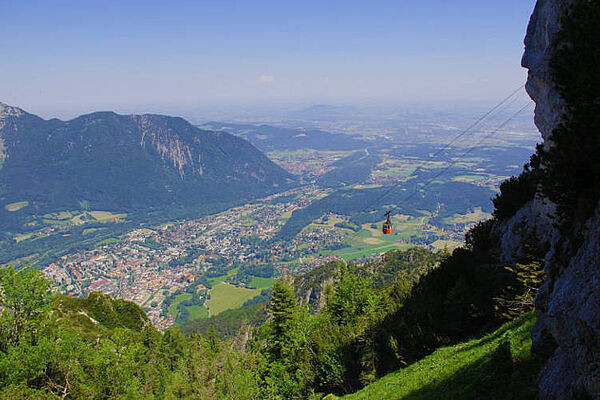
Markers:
point(149, 265)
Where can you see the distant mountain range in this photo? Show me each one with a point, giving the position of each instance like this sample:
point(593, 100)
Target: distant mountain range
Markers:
point(125, 162)
point(273, 138)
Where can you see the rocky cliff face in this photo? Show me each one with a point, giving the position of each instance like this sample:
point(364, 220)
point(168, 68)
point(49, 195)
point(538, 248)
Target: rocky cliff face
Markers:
point(567, 331)
point(541, 34)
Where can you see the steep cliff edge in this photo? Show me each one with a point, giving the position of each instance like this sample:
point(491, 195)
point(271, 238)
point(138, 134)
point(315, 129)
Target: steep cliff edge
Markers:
point(567, 330)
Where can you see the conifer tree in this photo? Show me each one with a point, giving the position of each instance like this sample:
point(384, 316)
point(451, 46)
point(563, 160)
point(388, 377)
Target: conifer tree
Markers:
point(282, 307)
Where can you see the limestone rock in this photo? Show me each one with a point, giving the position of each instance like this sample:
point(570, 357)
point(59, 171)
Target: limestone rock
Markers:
point(567, 331)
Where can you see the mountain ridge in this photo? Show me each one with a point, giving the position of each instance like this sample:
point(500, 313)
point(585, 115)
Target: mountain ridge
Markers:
point(118, 161)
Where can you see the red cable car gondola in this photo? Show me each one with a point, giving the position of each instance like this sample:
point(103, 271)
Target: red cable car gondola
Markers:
point(387, 225)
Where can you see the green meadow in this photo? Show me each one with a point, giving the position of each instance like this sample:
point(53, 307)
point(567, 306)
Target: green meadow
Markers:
point(226, 297)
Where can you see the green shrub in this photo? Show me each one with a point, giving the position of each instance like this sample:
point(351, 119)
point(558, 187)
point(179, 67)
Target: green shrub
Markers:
point(517, 191)
point(479, 238)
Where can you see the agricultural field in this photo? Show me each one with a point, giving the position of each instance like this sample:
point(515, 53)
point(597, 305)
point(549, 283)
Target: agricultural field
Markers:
point(76, 218)
point(105, 216)
point(61, 222)
point(19, 238)
point(307, 162)
point(12, 207)
point(473, 216)
point(227, 297)
point(402, 168)
point(371, 241)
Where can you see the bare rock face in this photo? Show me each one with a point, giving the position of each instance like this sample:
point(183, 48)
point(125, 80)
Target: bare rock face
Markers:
point(569, 322)
point(167, 143)
point(6, 110)
point(567, 331)
point(541, 33)
point(7, 113)
point(532, 222)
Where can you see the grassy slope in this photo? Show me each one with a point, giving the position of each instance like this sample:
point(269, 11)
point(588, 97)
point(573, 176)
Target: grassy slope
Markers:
point(478, 369)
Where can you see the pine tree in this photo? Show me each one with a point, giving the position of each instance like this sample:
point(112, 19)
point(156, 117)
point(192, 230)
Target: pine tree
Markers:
point(282, 309)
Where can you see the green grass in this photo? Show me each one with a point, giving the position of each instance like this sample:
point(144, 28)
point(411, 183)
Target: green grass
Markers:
point(59, 216)
point(467, 178)
point(56, 222)
point(394, 172)
point(350, 253)
point(479, 369)
point(24, 236)
point(217, 280)
point(261, 283)
point(178, 299)
point(197, 312)
point(64, 215)
point(91, 230)
point(227, 297)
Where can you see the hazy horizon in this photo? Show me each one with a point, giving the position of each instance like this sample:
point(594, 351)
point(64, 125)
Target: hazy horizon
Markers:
point(67, 58)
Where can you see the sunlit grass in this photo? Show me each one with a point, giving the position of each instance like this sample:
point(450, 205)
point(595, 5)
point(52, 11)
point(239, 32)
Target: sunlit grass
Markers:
point(227, 297)
point(475, 369)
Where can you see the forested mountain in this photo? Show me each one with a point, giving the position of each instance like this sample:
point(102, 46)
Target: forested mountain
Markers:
point(124, 163)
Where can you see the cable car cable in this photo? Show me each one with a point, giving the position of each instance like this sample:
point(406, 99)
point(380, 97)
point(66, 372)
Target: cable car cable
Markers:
point(513, 116)
point(446, 146)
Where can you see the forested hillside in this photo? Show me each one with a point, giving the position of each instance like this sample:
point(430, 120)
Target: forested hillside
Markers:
point(373, 318)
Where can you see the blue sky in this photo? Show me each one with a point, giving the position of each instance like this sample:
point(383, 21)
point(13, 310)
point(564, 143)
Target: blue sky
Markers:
point(67, 57)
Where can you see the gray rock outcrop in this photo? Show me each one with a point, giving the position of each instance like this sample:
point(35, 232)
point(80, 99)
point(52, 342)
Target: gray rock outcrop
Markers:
point(567, 330)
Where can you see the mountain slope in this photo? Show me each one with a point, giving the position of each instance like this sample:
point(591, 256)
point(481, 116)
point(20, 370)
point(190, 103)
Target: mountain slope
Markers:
point(496, 366)
point(125, 162)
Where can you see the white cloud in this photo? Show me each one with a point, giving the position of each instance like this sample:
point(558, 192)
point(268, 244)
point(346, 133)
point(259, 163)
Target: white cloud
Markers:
point(266, 78)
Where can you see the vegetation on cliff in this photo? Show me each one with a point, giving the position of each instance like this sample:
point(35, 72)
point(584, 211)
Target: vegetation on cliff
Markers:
point(497, 366)
point(376, 318)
